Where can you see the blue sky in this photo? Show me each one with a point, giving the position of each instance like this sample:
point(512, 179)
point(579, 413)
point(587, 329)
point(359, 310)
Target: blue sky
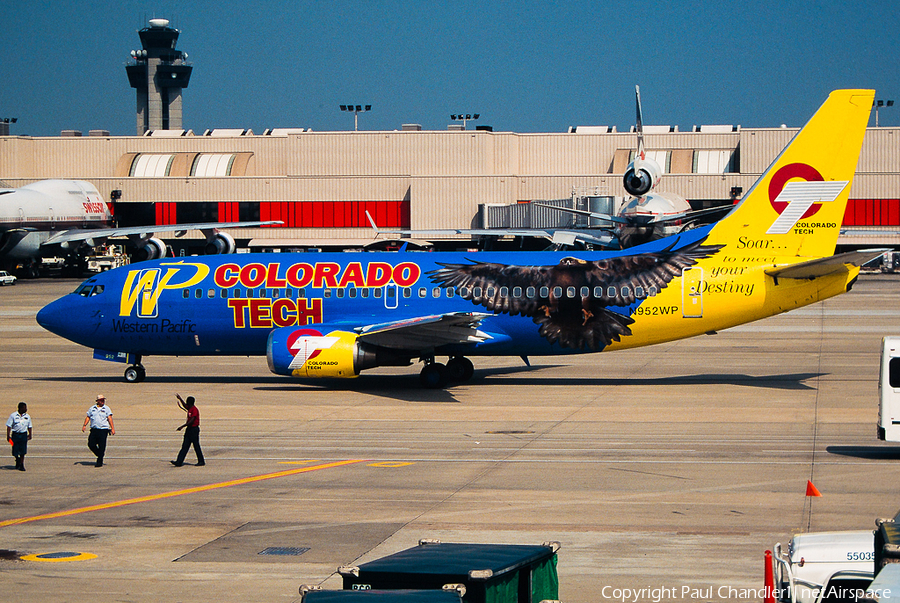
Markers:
point(524, 66)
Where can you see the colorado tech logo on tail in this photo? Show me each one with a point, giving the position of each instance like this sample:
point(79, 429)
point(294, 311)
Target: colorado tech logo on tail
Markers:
point(799, 200)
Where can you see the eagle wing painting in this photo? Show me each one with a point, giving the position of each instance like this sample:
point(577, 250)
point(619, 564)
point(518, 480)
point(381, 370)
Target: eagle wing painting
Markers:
point(570, 301)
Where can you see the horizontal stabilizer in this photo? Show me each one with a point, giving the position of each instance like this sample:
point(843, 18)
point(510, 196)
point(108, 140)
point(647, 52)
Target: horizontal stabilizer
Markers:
point(825, 266)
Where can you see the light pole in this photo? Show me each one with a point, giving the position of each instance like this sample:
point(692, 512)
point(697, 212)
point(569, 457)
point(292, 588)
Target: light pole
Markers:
point(4, 125)
point(464, 117)
point(878, 105)
point(356, 110)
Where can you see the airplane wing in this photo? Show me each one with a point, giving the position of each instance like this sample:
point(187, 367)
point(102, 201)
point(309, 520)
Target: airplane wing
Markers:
point(426, 332)
point(566, 237)
point(694, 213)
point(826, 266)
point(66, 236)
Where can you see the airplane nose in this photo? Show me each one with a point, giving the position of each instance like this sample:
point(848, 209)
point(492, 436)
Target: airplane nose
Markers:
point(56, 317)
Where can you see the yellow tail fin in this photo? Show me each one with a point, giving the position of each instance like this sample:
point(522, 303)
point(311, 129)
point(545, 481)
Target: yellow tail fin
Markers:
point(797, 206)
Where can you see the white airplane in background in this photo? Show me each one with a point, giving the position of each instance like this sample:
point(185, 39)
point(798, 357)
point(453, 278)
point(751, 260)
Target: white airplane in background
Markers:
point(647, 216)
point(70, 217)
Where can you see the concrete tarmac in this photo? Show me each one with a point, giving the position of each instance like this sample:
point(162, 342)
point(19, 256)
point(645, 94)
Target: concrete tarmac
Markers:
point(670, 467)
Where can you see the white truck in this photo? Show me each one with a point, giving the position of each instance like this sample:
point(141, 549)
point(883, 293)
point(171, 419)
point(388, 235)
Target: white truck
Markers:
point(6, 278)
point(889, 391)
point(824, 566)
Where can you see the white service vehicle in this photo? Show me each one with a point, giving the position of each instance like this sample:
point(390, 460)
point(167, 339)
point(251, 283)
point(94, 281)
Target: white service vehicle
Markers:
point(6, 278)
point(889, 390)
point(824, 566)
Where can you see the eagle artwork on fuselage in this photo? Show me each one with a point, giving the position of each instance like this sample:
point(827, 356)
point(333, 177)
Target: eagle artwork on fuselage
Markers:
point(583, 320)
point(337, 314)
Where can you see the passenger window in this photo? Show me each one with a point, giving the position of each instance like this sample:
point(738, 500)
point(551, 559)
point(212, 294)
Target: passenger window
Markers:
point(570, 291)
point(545, 291)
point(611, 291)
point(529, 292)
point(339, 293)
point(326, 293)
point(585, 292)
point(639, 292)
point(504, 291)
point(422, 292)
point(364, 293)
point(223, 293)
point(198, 293)
point(262, 293)
point(517, 291)
point(557, 292)
point(489, 292)
point(407, 292)
point(249, 292)
point(289, 293)
point(598, 292)
point(476, 292)
point(211, 294)
point(301, 293)
point(185, 293)
point(352, 292)
point(464, 291)
point(651, 291)
point(626, 291)
point(436, 292)
point(378, 293)
point(275, 294)
point(450, 291)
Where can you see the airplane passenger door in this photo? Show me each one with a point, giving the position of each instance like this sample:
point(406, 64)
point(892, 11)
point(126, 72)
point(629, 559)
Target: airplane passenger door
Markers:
point(692, 292)
point(391, 295)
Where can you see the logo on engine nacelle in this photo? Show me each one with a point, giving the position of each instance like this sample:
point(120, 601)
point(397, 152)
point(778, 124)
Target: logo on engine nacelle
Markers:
point(306, 344)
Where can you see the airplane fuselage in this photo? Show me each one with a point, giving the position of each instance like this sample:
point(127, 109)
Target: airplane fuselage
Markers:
point(229, 305)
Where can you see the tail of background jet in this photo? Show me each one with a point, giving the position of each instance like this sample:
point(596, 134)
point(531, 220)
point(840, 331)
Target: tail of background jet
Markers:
point(797, 206)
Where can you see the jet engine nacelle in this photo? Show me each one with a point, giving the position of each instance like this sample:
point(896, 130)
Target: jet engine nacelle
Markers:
point(221, 242)
point(322, 351)
point(151, 249)
point(641, 176)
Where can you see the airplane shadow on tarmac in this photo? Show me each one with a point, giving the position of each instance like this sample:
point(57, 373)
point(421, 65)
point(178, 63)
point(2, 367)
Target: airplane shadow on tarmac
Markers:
point(407, 387)
point(875, 453)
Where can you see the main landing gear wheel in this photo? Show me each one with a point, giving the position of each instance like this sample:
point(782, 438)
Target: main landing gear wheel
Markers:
point(135, 374)
point(459, 369)
point(433, 375)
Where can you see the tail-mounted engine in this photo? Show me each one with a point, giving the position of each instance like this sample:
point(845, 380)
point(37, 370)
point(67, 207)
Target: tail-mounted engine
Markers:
point(641, 176)
point(321, 351)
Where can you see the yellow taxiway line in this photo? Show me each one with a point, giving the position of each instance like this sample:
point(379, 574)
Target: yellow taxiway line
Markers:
point(152, 497)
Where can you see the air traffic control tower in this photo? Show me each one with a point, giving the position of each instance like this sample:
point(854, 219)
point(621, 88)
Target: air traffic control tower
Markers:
point(159, 73)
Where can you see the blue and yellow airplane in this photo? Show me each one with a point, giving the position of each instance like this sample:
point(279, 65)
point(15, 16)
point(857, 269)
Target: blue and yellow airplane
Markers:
point(334, 315)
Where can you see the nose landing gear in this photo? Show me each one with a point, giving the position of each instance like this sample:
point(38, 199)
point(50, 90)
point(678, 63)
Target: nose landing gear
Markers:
point(135, 373)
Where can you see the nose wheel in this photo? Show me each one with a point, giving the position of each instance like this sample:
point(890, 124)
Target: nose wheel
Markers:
point(135, 373)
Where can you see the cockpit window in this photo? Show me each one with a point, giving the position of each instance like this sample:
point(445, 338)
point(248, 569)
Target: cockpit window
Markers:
point(87, 289)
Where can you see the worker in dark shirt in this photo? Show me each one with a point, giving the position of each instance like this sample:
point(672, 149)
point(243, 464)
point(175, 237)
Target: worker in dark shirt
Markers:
point(191, 431)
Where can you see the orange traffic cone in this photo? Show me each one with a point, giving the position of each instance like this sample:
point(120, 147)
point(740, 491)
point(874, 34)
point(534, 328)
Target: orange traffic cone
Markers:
point(811, 490)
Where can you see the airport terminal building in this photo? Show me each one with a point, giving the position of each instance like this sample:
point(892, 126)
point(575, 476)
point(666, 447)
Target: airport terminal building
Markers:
point(322, 184)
